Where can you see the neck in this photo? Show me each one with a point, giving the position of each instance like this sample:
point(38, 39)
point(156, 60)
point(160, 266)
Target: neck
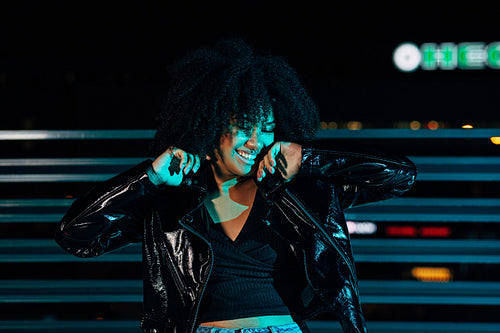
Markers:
point(224, 182)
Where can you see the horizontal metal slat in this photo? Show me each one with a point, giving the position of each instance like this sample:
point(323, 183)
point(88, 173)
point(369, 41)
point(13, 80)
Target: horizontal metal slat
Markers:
point(130, 291)
point(404, 209)
point(365, 250)
point(438, 161)
point(92, 161)
point(129, 134)
point(414, 292)
point(391, 133)
point(53, 178)
point(47, 250)
point(426, 251)
point(409, 209)
point(70, 291)
point(457, 168)
point(73, 326)
point(460, 168)
point(408, 327)
point(145, 134)
point(315, 326)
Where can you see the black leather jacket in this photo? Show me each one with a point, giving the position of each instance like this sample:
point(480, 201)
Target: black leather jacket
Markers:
point(176, 251)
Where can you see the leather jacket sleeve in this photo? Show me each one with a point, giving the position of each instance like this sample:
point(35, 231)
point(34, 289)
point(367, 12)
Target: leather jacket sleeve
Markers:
point(109, 216)
point(361, 177)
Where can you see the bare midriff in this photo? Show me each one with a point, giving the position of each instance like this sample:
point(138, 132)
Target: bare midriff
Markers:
point(260, 321)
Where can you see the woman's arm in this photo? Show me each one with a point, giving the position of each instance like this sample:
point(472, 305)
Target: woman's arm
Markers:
point(360, 176)
point(109, 216)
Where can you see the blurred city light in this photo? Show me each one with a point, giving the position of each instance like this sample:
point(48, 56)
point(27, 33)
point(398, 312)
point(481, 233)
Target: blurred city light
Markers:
point(495, 140)
point(432, 274)
point(354, 125)
point(415, 125)
point(361, 228)
point(332, 125)
point(401, 231)
point(433, 125)
point(414, 232)
point(434, 231)
point(329, 125)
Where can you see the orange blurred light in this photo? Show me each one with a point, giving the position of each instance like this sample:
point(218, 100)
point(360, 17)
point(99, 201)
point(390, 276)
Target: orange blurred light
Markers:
point(495, 140)
point(415, 125)
point(354, 125)
point(467, 126)
point(432, 274)
point(332, 125)
point(433, 125)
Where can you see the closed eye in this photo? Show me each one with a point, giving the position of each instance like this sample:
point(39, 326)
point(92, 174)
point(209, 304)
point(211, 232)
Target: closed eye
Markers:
point(269, 127)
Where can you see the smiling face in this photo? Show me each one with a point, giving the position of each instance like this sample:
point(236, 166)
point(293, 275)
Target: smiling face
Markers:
point(239, 147)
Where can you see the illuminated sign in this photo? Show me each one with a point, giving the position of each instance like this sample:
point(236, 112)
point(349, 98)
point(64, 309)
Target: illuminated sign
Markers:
point(407, 57)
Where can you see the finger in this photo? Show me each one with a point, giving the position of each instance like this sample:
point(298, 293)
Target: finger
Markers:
point(175, 161)
point(273, 152)
point(189, 163)
point(181, 154)
point(262, 175)
point(259, 171)
point(197, 163)
point(267, 163)
point(282, 164)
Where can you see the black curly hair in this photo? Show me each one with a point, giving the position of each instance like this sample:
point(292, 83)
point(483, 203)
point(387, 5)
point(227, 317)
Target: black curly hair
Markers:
point(211, 86)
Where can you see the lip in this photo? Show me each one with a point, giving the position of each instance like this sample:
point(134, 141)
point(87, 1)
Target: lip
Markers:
point(244, 159)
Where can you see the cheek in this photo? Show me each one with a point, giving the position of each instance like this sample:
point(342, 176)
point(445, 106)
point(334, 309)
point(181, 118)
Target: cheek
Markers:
point(226, 142)
point(268, 139)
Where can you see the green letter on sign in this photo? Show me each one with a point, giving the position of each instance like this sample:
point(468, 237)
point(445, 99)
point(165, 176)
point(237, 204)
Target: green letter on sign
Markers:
point(494, 55)
point(429, 56)
point(471, 55)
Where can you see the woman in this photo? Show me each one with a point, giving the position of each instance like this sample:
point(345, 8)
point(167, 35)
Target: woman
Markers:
point(240, 219)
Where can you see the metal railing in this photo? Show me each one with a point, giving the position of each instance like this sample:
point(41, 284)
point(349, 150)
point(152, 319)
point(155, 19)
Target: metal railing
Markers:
point(48, 211)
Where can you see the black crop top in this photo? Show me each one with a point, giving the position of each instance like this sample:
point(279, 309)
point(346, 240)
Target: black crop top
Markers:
point(252, 276)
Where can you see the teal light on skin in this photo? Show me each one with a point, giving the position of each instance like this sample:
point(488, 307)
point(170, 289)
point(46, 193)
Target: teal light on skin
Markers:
point(227, 208)
point(236, 161)
point(239, 148)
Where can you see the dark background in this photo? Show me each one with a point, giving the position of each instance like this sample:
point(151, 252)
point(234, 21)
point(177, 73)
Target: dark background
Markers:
point(103, 65)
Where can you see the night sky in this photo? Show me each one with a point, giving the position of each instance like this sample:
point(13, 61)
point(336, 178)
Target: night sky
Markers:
point(80, 65)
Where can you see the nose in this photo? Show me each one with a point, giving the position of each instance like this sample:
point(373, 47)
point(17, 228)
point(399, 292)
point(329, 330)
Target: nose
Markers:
point(255, 141)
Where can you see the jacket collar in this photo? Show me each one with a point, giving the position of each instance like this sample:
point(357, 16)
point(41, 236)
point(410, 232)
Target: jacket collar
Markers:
point(198, 180)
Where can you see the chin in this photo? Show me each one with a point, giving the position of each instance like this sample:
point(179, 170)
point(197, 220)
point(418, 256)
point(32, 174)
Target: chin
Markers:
point(245, 173)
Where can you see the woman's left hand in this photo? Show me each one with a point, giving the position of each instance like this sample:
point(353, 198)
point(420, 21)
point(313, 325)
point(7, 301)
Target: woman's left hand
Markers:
point(285, 157)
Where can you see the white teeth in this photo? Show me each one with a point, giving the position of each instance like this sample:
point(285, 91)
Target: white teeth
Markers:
point(245, 155)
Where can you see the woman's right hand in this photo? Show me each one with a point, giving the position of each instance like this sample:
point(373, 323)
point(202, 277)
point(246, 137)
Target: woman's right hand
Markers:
point(174, 164)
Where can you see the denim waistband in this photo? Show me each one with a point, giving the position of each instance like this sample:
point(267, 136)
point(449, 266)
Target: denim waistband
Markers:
point(287, 328)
